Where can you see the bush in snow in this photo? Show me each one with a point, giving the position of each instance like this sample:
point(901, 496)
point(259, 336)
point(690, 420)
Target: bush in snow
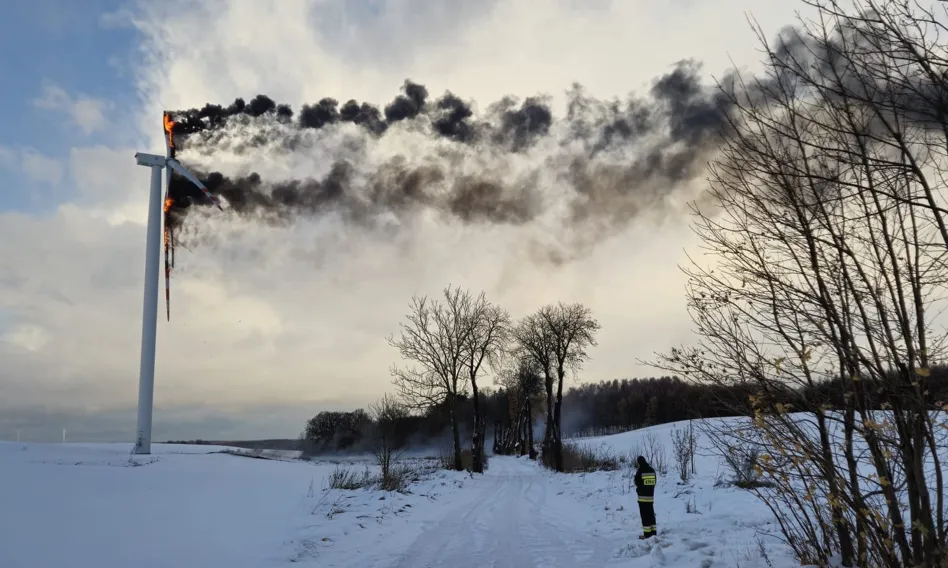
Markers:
point(744, 463)
point(345, 478)
point(580, 458)
point(683, 448)
point(653, 450)
point(398, 478)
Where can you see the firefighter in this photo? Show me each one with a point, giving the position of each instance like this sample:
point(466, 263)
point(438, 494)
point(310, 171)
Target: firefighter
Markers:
point(645, 489)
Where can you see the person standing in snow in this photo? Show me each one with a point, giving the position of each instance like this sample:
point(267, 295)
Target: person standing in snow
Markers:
point(645, 489)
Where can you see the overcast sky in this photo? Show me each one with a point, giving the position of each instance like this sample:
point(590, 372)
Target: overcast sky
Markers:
point(269, 326)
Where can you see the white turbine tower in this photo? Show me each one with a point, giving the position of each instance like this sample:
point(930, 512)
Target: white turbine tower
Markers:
point(146, 380)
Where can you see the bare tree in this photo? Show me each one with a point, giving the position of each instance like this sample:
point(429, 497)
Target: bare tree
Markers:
point(386, 413)
point(557, 337)
point(533, 342)
point(529, 384)
point(435, 338)
point(523, 383)
point(829, 261)
point(486, 336)
point(683, 448)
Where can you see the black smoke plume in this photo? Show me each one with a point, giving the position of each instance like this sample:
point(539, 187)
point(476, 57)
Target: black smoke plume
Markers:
point(602, 164)
point(615, 158)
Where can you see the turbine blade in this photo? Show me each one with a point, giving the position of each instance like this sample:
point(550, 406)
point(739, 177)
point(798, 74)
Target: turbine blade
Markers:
point(168, 244)
point(176, 166)
point(167, 273)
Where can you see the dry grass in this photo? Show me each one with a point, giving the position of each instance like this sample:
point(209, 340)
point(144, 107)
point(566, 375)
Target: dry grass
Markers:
point(580, 458)
point(398, 478)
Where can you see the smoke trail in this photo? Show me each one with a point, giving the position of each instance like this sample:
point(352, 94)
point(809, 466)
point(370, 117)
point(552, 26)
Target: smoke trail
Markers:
point(594, 170)
point(597, 168)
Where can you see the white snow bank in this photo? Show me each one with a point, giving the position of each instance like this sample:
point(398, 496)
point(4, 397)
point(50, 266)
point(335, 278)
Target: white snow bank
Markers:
point(703, 522)
point(97, 506)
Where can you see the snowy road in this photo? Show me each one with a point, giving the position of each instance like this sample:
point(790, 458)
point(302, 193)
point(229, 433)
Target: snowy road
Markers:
point(513, 517)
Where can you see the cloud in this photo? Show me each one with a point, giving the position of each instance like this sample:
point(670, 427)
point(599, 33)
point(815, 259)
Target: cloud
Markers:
point(29, 337)
point(280, 318)
point(31, 163)
point(108, 177)
point(89, 114)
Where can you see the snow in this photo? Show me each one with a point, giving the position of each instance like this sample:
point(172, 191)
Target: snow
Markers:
point(97, 506)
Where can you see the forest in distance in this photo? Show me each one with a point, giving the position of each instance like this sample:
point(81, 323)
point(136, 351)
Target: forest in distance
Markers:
point(590, 409)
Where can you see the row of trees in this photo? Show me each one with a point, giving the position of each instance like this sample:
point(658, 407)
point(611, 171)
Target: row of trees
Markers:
point(515, 403)
point(453, 343)
point(626, 404)
point(829, 243)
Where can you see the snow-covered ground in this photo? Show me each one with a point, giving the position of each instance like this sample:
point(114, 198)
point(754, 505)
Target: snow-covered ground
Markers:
point(96, 506)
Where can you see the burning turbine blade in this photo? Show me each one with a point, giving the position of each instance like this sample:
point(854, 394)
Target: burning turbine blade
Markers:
point(176, 166)
point(169, 135)
point(167, 273)
point(168, 244)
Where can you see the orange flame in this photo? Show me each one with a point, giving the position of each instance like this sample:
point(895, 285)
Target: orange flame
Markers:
point(168, 203)
point(169, 125)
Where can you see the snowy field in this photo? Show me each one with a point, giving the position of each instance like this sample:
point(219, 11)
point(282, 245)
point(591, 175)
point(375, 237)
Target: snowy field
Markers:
point(96, 506)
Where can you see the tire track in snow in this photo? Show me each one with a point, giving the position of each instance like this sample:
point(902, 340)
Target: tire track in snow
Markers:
point(511, 520)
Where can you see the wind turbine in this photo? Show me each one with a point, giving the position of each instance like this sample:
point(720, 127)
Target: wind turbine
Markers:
point(146, 378)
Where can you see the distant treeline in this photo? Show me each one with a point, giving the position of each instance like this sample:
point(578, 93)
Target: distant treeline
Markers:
point(271, 444)
point(636, 403)
point(617, 405)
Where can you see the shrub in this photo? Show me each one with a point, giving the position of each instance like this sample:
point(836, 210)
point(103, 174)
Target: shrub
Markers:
point(744, 469)
point(683, 448)
point(579, 458)
point(398, 478)
point(467, 460)
point(653, 450)
point(346, 478)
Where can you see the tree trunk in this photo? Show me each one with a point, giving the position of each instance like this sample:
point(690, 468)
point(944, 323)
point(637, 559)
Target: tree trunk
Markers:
point(557, 421)
point(692, 446)
point(843, 534)
point(849, 423)
point(521, 431)
point(456, 432)
point(531, 449)
point(550, 424)
point(477, 441)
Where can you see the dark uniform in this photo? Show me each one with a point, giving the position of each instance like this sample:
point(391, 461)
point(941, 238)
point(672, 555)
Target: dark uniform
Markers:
point(645, 488)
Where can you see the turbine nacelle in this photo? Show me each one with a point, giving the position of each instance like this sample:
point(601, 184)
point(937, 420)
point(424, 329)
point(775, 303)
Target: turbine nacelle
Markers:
point(150, 160)
point(156, 161)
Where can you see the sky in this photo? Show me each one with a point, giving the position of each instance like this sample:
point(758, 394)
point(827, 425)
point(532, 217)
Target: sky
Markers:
point(271, 325)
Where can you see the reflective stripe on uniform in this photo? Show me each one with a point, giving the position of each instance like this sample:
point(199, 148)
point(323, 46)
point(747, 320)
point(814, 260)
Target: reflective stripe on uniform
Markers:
point(648, 479)
point(646, 499)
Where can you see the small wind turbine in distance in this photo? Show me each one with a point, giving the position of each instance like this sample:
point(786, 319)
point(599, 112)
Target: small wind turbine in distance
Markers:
point(146, 380)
